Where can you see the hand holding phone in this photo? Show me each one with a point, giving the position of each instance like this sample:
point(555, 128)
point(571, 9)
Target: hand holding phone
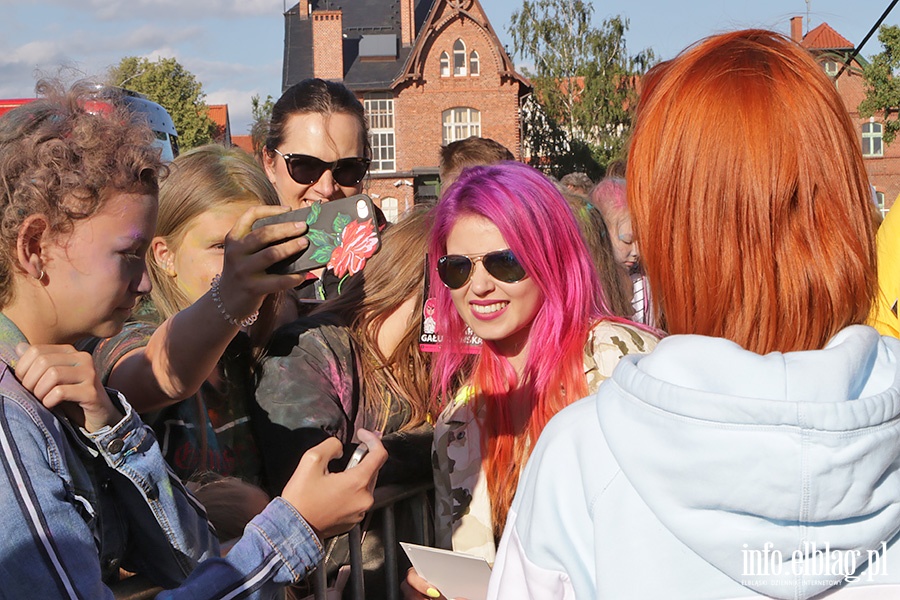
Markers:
point(343, 235)
point(357, 456)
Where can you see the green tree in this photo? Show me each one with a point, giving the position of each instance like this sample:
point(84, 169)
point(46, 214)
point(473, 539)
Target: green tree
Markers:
point(261, 110)
point(882, 85)
point(167, 82)
point(584, 81)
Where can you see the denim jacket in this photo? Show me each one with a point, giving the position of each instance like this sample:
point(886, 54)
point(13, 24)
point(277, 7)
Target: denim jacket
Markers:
point(76, 506)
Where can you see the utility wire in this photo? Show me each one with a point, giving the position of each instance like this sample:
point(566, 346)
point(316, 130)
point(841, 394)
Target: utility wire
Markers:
point(866, 39)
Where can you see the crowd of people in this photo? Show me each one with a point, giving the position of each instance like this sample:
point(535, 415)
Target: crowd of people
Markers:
point(658, 385)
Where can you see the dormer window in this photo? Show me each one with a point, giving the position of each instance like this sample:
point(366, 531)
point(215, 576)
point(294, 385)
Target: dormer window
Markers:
point(459, 58)
point(831, 68)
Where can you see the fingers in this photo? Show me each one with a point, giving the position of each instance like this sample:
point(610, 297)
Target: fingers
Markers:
point(40, 368)
point(61, 376)
point(324, 452)
point(375, 459)
point(417, 587)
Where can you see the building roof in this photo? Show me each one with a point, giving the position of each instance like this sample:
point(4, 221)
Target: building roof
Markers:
point(360, 18)
point(244, 142)
point(824, 37)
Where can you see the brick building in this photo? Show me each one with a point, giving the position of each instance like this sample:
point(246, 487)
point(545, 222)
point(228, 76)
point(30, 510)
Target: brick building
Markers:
point(831, 50)
point(428, 72)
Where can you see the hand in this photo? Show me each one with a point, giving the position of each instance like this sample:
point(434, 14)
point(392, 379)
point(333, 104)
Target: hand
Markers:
point(416, 588)
point(61, 376)
point(244, 283)
point(332, 503)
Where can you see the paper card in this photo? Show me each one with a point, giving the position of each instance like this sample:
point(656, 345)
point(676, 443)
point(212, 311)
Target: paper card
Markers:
point(455, 574)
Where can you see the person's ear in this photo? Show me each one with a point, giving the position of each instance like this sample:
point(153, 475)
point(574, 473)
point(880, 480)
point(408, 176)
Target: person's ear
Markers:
point(268, 160)
point(34, 235)
point(163, 256)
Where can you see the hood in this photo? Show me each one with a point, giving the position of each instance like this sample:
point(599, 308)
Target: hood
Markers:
point(780, 470)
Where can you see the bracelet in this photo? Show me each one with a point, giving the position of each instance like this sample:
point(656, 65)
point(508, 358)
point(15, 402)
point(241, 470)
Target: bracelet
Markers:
point(245, 322)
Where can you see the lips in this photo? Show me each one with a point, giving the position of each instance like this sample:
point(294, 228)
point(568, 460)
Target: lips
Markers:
point(485, 311)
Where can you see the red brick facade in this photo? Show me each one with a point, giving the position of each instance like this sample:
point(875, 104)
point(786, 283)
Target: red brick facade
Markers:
point(830, 47)
point(425, 87)
point(328, 59)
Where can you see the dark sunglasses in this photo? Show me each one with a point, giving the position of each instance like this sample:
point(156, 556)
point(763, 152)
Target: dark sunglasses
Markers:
point(307, 170)
point(455, 270)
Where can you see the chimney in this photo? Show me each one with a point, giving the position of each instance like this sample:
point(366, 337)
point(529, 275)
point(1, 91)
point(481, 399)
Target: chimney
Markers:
point(303, 9)
point(328, 44)
point(407, 23)
point(797, 29)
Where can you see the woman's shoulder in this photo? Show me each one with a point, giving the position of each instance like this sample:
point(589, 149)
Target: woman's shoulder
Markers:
point(628, 338)
point(608, 342)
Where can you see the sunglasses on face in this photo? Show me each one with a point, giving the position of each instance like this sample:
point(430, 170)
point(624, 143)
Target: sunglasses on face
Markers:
point(306, 170)
point(455, 270)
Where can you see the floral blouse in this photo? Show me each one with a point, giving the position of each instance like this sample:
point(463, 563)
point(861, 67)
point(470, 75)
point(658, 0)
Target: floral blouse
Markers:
point(462, 506)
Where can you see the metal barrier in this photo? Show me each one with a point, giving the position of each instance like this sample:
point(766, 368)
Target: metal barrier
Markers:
point(387, 497)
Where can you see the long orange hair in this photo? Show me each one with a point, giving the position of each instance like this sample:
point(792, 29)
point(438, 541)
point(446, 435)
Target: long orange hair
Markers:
point(749, 196)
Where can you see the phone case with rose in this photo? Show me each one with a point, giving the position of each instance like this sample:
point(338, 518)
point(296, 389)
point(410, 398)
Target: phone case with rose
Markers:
point(343, 234)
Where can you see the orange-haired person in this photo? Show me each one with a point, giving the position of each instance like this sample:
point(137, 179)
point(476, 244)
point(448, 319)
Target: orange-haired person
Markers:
point(755, 451)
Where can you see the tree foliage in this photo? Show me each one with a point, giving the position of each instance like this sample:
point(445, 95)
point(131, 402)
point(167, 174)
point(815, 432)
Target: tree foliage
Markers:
point(167, 82)
point(261, 110)
point(882, 85)
point(584, 81)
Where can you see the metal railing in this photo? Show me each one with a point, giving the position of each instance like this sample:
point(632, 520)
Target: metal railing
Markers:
point(413, 497)
point(386, 499)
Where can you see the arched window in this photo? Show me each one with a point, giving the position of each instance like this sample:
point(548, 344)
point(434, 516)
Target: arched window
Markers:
point(871, 139)
point(459, 58)
point(474, 67)
point(459, 123)
point(445, 64)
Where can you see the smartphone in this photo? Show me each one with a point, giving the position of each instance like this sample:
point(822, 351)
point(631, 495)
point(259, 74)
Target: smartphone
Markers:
point(343, 234)
point(357, 456)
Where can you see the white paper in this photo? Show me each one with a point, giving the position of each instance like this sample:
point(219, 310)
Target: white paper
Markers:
point(455, 574)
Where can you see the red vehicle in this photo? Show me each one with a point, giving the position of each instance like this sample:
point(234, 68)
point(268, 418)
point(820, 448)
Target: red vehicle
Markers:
point(157, 117)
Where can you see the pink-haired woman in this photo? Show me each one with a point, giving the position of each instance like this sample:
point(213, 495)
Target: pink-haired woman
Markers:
point(512, 266)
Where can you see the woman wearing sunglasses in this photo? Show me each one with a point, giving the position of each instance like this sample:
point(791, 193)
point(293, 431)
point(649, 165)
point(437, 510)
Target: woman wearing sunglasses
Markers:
point(317, 150)
point(318, 144)
point(511, 264)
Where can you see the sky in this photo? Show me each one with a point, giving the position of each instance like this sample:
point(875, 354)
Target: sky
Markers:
point(235, 47)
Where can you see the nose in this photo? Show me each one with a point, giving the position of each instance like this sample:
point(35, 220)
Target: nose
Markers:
point(325, 186)
point(144, 284)
point(635, 251)
point(481, 282)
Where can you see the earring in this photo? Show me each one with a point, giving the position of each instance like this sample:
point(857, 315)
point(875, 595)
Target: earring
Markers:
point(40, 277)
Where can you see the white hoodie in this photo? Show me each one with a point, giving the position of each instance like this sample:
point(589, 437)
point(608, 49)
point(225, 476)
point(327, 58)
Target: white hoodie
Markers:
point(703, 470)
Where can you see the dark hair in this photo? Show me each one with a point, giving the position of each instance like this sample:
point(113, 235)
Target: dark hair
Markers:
point(315, 96)
point(61, 155)
point(471, 152)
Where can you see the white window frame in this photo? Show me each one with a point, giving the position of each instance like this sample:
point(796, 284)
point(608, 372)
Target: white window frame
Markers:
point(831, 67)
point(379, 107)
point(390, 206)
point(460, 59)
point(445, 64)
point(474, 64)
point(459, 123)
point(872, 136)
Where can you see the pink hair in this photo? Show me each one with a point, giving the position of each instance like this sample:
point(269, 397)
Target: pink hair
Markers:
point(609, 195)
point(540, 229)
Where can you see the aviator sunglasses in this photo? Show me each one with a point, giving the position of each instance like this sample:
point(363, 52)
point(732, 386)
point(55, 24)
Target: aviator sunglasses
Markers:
point(307, 170)
point(455, 270)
